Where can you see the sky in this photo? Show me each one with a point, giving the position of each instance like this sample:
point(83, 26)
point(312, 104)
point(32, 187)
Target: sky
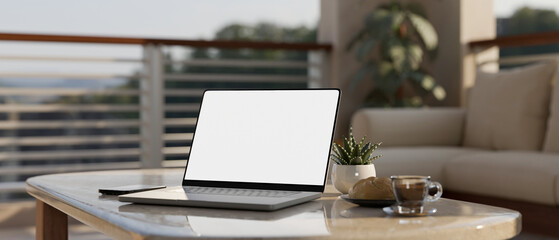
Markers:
point(182, 19)
point(192, 19)
point(186, 19)
point(505, 8)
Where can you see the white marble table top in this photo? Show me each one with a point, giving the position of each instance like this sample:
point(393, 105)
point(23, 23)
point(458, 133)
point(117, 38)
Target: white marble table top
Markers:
point(329, 217)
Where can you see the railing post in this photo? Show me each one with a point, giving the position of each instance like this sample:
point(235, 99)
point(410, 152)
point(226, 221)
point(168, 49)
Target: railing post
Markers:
point(152, 103)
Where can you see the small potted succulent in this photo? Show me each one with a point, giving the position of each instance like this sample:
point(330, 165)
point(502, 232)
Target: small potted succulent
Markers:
point(353, 162)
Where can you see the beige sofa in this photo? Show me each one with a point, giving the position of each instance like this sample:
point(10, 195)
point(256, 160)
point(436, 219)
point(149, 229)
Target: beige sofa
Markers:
point(504, 145)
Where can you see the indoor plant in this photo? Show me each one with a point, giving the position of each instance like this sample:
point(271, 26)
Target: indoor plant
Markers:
point(352, 162)
point(391, 47)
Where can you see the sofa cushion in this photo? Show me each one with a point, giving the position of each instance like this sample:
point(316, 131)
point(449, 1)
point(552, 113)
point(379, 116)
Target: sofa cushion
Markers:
point(411, 127)
point(515, 175)
point(551, 143)
point(508, 110)
point(426, 161)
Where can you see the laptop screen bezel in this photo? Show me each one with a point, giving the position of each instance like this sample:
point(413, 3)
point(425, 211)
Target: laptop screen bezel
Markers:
point(258, 185)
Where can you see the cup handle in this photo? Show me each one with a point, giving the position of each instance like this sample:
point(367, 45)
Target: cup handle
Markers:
point(432, 198)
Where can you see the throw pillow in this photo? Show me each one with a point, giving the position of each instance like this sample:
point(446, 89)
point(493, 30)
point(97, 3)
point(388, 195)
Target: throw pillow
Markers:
point(508, 110)
point(551, 143)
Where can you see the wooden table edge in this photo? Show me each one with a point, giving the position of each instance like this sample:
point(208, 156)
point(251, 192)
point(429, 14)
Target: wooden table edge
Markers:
point(56, 210)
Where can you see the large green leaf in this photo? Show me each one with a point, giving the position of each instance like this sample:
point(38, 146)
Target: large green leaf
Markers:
point(425, 30)
point(414, 54)
point(357, 38)
point(385, 68)
point(380, 22)
point(365, 49)
point(405, 55)
point(424, 80)
point(397, 20)
point(366, 70)
point(439, 93)
point(427, 82)
point(398, 55)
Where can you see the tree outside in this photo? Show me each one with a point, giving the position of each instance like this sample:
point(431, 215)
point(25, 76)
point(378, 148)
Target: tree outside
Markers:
point(528, 20)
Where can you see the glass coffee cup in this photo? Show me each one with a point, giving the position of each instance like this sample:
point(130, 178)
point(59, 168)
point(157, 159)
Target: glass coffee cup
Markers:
point(412, 192)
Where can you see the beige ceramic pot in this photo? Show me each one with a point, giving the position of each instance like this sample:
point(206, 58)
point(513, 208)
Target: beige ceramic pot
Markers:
point(344, 176)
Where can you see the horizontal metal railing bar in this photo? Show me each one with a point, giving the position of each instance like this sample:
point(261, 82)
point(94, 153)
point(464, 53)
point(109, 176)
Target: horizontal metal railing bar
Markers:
point(244, 63)
point(528, 58)
point(532, 39)
point(145, 41)
point(63, 168)
point(67, 108)
point(72, 59)
point(90, 123)
point(80, 76)
point(184, 93)
point(69, 154)
point(174, 163)
point(178, 136)
point(68, 91)
point(182, 107)
point(176, 150)
point(76, 140)
point(45, 169)
point(68, 140)
point(234, 78)
point(11, 186)
point(69, 124)
point(179, 121)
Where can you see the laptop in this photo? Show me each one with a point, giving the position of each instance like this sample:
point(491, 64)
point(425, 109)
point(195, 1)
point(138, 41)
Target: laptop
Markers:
point(255, 149)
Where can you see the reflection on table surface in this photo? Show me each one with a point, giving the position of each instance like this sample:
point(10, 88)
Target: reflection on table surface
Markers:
point(324, 217)
point(305, 224)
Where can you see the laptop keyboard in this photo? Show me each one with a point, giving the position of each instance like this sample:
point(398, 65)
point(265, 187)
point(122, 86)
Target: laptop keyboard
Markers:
point(238, 192)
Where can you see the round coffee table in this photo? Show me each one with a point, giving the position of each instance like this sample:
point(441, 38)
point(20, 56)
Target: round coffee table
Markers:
point(75, 194)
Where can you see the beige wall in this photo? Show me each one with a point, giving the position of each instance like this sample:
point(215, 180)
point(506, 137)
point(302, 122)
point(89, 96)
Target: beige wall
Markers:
point(477, 23)
point(456, 21)
point(340, 20)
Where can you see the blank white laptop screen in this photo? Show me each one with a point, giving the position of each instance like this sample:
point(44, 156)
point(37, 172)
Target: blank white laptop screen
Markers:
point(265, 136)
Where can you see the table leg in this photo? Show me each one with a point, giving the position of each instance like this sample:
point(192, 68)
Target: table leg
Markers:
point(50, 223)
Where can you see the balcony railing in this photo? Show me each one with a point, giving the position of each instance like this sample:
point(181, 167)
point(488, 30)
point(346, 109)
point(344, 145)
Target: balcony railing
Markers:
point(515, 41)
point(142, 119)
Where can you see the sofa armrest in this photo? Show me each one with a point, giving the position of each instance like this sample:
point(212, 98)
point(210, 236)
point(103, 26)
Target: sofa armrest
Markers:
point(411, 127)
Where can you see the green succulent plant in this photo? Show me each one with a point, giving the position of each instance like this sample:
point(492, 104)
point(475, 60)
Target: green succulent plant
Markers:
point(353, 153)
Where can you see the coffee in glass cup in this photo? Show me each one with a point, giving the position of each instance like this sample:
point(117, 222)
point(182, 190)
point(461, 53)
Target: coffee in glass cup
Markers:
point(412, 192)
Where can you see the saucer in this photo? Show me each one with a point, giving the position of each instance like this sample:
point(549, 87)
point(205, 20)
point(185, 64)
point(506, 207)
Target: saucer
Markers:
point(368, 203)
point(393, 210)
